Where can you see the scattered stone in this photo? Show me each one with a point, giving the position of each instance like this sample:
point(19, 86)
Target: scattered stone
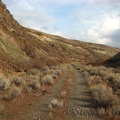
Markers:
point(57, 103)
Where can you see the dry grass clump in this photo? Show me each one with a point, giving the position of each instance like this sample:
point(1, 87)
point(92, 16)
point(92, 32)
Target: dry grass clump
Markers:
point(53, 71)
point(113, 80)
point(47, 79)
point(57, 72)
point(32, 77)
point(28, 88)
point(85, 74)
point(102, 73)
point(102, 81)
point(75, 64)
point(34, 85)
point(94, 80)
point(94, 72)
point(54, 76)
point(4, 83)
point(104, 96)
point(103, 68)
point(18, 81)
point(12, 93)
point(26, 82)
point(32, 82)
point(33, 72)
point(50, 71)
point(11, 88)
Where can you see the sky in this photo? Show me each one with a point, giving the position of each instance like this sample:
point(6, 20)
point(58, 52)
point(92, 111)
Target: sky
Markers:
point(95, 21)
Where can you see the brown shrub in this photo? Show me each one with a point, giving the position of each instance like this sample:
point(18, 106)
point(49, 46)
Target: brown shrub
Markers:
point(29, 50)
point(18, 81)
point(4, 83)
point(57, 72)
point(34, 84)
point(94, 80)
point(13, 93)
point(85, 74)
point(104, 96)
point(33, 72)
point(113, 80)
point(47, 80)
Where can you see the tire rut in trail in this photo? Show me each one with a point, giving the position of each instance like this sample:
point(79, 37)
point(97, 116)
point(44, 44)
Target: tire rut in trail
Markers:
point(40, 109)
point(59, 113)
point(80, 107)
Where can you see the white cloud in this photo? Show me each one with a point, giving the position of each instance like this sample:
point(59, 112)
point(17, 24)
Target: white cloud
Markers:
point(90, 20)
point(25, 5)
point(110, 24)
point(98, 33)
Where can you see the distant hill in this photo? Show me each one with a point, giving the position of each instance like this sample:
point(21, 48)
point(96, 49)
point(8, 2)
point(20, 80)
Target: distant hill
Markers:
point(115, 60)
point(24, 48)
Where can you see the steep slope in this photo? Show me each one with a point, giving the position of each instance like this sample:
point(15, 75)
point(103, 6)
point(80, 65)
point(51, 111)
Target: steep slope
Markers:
point(115, 60)
point(23, 48)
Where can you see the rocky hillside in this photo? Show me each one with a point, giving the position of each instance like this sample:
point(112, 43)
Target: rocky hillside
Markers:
point(23, 48)
point(115, 60)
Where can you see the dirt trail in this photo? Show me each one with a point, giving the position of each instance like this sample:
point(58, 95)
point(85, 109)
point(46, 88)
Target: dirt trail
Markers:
point(80, 106)
point(77, 101)
point(39, 110)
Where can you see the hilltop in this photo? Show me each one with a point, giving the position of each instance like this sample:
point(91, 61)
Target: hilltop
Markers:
point(23, 48)
point(114, 61)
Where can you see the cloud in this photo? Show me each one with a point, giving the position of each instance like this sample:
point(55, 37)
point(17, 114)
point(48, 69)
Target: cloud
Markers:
point(25, 5)
point(115, 37)
point(104, 31)
point(31, 14)
point(67, 2)
point(95, 21)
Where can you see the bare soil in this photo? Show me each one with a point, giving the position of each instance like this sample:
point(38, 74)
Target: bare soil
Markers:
point(77, 101)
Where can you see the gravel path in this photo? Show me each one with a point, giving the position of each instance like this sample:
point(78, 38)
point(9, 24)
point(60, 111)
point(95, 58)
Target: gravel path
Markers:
point(80, 107)
point(39, 110)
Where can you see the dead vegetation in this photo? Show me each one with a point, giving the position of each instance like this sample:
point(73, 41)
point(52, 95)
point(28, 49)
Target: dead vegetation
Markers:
point(103, 96)
point(104, 85)
point(26, 51)
point(4, 83)
point(33, 79)
point(55, 104)
point(47, 80)
point(37, 49)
